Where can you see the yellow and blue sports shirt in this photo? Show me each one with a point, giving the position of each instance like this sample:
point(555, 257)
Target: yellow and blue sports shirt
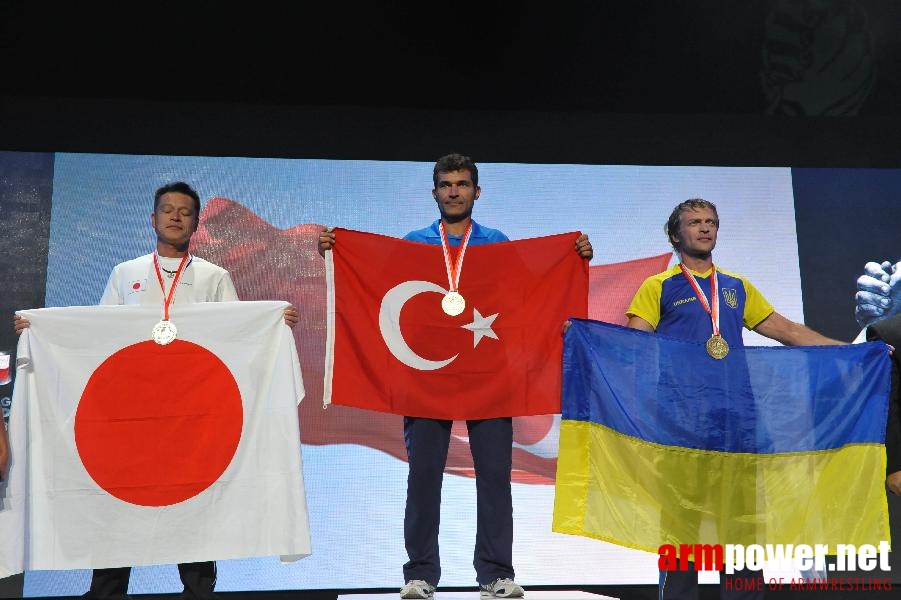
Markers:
point(668, 302)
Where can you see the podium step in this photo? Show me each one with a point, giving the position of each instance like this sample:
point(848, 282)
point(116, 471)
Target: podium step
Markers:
point(474, 595)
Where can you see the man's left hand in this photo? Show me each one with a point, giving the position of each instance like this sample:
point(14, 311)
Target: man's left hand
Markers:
point(291, 316)
point(583, 247)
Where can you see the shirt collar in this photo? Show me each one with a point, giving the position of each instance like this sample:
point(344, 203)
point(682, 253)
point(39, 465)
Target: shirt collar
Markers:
point(477, 231)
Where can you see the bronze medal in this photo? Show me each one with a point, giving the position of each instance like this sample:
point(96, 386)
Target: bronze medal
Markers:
point(717, 346)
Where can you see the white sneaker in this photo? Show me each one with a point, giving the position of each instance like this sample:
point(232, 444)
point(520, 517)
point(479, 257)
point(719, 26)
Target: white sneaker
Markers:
point(502, 588)
point(417, 588)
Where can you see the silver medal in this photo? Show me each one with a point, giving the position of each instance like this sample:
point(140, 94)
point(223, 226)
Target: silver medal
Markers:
point(164, 332)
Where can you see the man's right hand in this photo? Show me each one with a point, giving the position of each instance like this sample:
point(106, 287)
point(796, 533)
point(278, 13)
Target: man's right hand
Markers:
point(878, 292)
point(326, 240)
point(893, 481)
point(4, 457)
point(20, 324)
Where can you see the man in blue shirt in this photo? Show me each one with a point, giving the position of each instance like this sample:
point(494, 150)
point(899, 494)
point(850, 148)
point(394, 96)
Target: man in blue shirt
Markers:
point(456, 181)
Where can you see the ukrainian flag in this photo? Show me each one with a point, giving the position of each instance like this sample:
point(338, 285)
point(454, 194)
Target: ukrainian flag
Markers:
point(662, 444)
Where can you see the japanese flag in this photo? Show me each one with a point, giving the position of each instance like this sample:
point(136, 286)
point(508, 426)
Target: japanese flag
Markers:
point(127, 452)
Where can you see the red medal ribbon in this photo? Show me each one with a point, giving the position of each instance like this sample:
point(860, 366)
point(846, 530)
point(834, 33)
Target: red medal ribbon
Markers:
point(713, 307)
point(159, 276)
point(456, 267)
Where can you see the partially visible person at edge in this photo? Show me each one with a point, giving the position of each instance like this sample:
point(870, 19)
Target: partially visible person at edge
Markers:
point(456, 189)
point(4, 451)
point(878, 292)
point(176, 209)
point(660, 306)
point(889, 331)
point(878, 311)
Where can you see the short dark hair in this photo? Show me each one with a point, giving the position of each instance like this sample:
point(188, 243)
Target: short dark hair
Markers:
point(180, 187)
point(455, 162)
point(672, 224)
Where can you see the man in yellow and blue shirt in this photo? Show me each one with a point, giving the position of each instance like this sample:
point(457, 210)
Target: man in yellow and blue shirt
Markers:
point(669, 303)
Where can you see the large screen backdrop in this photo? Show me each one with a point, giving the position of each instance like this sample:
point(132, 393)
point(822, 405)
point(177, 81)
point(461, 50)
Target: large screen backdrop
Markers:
point(260, 218)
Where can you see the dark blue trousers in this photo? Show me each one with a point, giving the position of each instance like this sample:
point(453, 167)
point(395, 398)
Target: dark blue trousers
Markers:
point(491, 444)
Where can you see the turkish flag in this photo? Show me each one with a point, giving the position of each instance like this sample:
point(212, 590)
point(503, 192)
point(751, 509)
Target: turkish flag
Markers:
point(395, 350)
point(612, 286)
point(268, 262)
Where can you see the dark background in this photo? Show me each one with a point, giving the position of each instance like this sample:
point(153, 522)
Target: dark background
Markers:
point(674, 57)
point(798, 83)
point(761, 82)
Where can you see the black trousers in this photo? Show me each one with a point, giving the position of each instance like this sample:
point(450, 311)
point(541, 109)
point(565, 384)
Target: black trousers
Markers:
point(744, 584)
point(198, 578)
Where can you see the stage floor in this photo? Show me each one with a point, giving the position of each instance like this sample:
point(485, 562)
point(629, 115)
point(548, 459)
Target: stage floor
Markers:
point(530, 595)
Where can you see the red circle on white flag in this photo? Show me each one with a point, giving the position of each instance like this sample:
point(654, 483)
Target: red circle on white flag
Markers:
point(157, 425)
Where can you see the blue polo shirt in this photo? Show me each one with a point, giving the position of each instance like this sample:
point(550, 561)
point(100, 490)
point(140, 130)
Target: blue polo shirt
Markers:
point(479, 236)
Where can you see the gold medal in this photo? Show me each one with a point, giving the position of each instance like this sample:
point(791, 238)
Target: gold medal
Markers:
point(453, 304)
point(717, 347)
